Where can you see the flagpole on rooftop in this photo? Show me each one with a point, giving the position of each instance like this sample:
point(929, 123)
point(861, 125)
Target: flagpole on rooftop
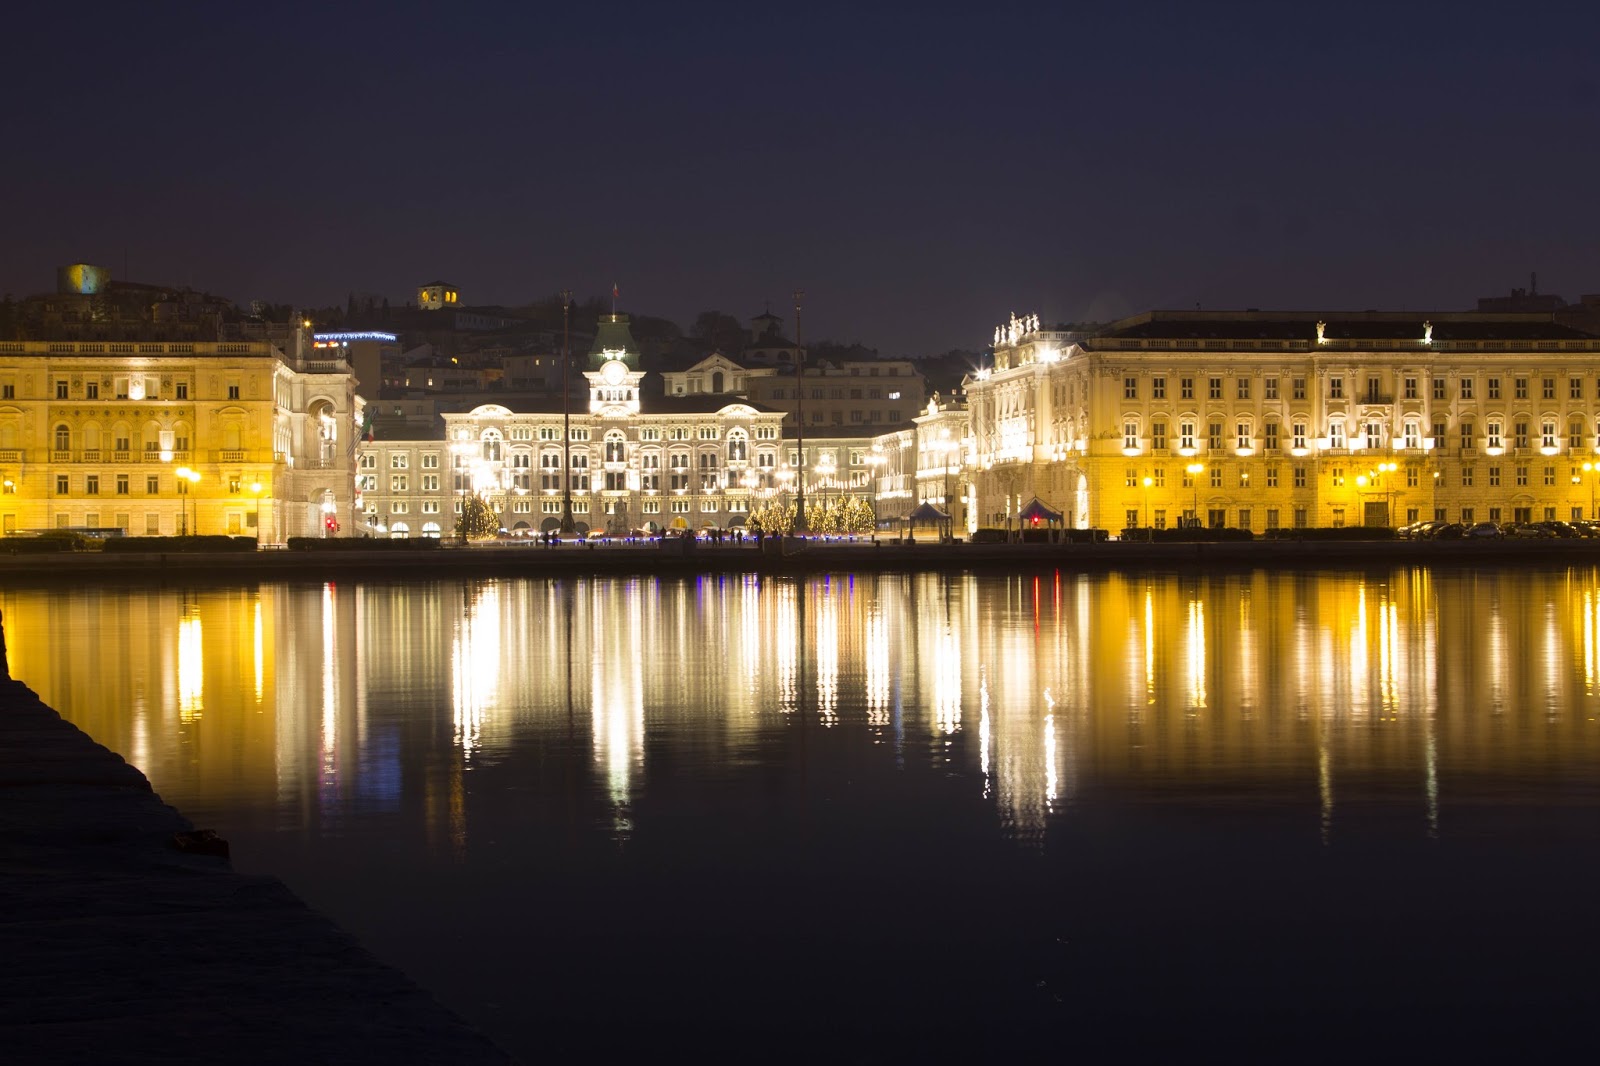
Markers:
point(567, 528)
point(799, 418)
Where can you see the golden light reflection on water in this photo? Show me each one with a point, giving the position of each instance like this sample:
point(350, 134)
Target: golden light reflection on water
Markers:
point(329, 702)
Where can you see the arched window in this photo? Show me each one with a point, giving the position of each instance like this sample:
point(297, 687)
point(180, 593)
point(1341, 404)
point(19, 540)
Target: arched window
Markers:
point(63, 438)
point(491, 445)
point(738, 446)
point(716, 381)
point(616, 448)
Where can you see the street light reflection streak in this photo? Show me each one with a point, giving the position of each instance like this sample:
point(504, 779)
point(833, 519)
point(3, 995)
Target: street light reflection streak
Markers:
point(617, 692)
point(787, 646)
point(1050, 779)
point(258, 640)
point(876, 667)
point(330, 688)
point(984, 730)
point(1195, 646)
point(827, 647)
point(191, 665)
point(475, 665)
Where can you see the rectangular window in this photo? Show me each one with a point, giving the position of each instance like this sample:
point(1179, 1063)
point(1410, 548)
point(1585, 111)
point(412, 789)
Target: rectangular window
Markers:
point(1214, 389)
point(1186, 388)
point(122, 485)
point(1336, 388)
point(1494, 388)
point(1216, 477)
point(397, 483)
point(1130, 435)
point(1438, 388)
point(62, 487)
point(1575, 389)
point(1299, 437)
point(1494, 477)
point(1338, 517)
point(1522, 474)
point(1549, 388)
point(1299, 388)
point(1272, 477)
point(233, 392)
point(1186, 435)
point(1130, 388)
point(1270, 388)
point(1338, 477)
point(91, 390)
point(1214, 435)
point(1158, 388)
point(1466, 477)
point(181, 390)
point(1467, 517)
point(1299, 477)
point(1411, 388)
point(1271, 437)
point(1549, 475)
point(8, 391)
point(152, 485)
point(91, 484)
point(1521, 386)
point(1466, 388)
point(1242, 436)
point(1130, 478)
point(61, 390)
point(1522, 434)
point(430, 482)
point(1272, 518)
point(1158, 435)
point(1495, 438)
point(1243, 388)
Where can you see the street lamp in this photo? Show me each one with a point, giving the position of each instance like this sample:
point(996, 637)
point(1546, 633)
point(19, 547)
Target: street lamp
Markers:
point(193, 478)
point(875, 461)
point(567, 527)
point(255, 490)
point(1195, 470)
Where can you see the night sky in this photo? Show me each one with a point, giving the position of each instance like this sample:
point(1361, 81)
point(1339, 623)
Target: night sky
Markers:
point(920, 170)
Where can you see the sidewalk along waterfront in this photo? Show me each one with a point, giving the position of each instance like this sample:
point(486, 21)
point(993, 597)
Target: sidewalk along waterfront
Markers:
point(127, 937)
point(790, 556)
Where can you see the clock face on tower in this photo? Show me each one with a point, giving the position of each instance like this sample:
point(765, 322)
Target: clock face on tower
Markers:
point(613, 373)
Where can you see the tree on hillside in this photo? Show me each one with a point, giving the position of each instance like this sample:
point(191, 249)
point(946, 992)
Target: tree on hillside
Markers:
point(719, 331)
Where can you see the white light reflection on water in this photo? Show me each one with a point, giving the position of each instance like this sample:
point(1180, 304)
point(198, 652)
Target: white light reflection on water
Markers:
point(1195, 651)
point(826, 643)
point(191, 664)
point(475, 666)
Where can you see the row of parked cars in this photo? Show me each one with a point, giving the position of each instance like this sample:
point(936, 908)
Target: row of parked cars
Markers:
point(1434, 530)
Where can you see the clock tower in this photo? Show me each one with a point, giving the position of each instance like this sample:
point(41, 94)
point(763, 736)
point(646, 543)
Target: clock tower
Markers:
point(615, 374)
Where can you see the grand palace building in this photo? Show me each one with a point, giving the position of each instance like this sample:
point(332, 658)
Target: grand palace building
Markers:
point(1261, 420)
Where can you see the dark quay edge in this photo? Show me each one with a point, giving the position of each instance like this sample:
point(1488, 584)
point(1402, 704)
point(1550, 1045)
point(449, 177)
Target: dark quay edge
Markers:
point(790, 557)
point(128, 938)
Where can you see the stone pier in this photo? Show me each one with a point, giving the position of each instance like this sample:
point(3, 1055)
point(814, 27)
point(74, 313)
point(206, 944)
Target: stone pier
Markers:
point(126, 937)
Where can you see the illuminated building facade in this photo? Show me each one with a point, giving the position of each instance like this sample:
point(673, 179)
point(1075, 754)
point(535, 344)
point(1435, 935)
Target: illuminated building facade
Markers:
point(1261, 420)
point(630, 462)
point(173, 437)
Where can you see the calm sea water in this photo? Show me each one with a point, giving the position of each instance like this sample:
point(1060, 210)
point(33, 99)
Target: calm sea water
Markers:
point(875, 818)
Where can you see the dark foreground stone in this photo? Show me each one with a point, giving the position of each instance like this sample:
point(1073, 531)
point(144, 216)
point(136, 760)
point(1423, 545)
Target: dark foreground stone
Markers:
point(125, 937)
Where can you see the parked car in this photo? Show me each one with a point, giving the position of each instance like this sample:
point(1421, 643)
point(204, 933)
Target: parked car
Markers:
point(1427, 530)
point(1527, 531)
point(1484, 530)
point(1450, 531)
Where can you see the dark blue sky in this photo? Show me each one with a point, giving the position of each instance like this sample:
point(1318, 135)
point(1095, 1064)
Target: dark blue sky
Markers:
point(919, 170)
